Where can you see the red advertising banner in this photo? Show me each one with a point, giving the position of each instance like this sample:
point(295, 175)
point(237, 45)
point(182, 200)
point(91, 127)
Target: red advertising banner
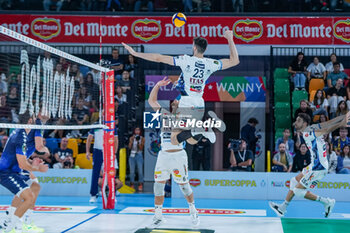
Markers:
point(160, 30)
point(108, 145)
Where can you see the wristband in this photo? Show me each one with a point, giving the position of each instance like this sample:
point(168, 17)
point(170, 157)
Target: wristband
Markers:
point(39, 153)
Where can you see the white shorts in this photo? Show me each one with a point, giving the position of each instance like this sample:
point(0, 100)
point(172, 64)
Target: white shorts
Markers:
point(311, 178)
point(174, 163)
point(193, 107)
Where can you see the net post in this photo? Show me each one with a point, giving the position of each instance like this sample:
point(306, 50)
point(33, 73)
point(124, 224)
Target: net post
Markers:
point(108, 139)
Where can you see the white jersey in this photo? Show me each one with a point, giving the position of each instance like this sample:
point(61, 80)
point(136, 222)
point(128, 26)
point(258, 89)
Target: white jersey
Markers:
point(195, 72)
point(165, 134)
point(317, 148)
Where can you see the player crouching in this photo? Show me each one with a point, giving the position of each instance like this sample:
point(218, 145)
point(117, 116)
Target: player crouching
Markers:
point(318, 168)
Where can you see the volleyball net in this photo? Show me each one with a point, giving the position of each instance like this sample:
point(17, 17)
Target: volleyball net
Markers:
point(74, 94)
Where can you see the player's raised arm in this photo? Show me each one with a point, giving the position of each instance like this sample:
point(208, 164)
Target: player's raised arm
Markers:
point(153, 97)
point(233, 60)
point(155, 57)
point(340, 121)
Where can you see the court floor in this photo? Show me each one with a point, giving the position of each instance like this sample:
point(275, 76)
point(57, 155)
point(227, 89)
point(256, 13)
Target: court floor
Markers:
point(134, 213)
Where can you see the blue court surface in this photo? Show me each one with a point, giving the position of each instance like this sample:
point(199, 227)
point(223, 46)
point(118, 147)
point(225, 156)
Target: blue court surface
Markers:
point(134, 212)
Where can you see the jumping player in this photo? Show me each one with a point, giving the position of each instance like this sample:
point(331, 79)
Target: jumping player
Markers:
point(318, 168)
point(20, 146)
point(171, 160)
point(196, 70)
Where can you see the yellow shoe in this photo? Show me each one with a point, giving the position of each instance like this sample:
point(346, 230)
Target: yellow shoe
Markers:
point(32, 228)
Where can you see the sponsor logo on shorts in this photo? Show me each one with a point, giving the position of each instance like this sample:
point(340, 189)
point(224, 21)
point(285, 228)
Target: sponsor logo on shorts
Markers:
point(176, 173)
point(195, 182)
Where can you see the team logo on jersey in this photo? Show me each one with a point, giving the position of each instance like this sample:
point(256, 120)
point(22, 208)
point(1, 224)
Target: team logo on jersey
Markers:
point(151, 120)
point(176, 173)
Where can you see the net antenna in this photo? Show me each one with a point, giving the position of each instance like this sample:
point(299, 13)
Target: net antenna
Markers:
point(50, 82)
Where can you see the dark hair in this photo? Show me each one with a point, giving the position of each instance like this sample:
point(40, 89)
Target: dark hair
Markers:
point(286, 129)
point(339, 111)
point(253, 121)
point(24, 117)
point(201, 44)
point(336, 63)
point(115, 49)
point(316, 57)
point(333, 54)
point(319, 121)
point(342, 151)
point(305, 117)
point(300, 53)
point(315, 97)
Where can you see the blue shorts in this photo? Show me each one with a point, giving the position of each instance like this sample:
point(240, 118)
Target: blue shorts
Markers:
point(14, 182)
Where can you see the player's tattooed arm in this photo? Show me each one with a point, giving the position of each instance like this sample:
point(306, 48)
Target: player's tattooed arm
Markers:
point(155, 57)
point(153, 97)
point(234, 59)
point(330, 126)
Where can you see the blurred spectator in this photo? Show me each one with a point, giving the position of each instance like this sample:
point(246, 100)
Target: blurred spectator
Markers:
point(47, 4)
point(71, 5)
point(45, 157)
point(241, 160)
point(304, 108)
point(316, 70)
point(238, 5)
point(301, 159)
point(341, 141)
point(283, 161)
point(113, 5)
point(86, 96)
point(140, 3)
point(201, 155)
point(187, 5)
point(75, 72)
point(80, 114)
point(330, 65)
point(323, 118)
point(15, 81)
point(3, 143)
point(65, 64)
point(320, 103)
point(335, 95)
point(332, 159)
point(116, 63)
point(343, 166)
point(248, 134)
point(342, 108)
point(119, 95)
point(63, 156)
point(5, 111)
point(124, 83)
point(3, 84)
point(58, 133)
point(297, 69)
point(335, 75)
point(136, 144)
point(13, 99)
point(96, 76)
point(289, 143)
point(131, 65)
point(59, 69)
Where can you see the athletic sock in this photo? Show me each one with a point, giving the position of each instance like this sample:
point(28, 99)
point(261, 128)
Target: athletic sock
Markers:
point(191, 206)
point(158, 210)
point(28, 217)
point(284, 205)
point(323, 200)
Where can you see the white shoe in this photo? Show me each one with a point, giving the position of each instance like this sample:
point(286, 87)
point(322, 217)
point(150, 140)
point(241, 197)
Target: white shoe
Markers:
point(194, 217)
point(213, 115)
point(93, 199)
point(328, 207)
point(157, 221)
point(276, 208)
point(210, 135)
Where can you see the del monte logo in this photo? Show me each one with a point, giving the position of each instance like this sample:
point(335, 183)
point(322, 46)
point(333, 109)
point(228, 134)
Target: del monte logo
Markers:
point(248, 30)
point(46, 28)
point(195, 182)
point(146, 29)
point(341, 30)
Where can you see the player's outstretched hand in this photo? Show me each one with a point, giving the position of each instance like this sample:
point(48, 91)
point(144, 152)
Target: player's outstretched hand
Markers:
point(347, 119)
point(228, 34)
point(43, 168)
point(163, 82)
point(37, 161)
point(130, 50)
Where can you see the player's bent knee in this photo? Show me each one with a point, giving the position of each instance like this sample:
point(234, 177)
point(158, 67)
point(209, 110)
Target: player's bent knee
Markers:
point(158, 189)
point(186, 189)
point(300, 192)
point(293, 183)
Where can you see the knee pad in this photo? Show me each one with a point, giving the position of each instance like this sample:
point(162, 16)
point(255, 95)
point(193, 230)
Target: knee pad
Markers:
point(158, 189)
point(300, 192)
point(293, 183)
point(186, 189)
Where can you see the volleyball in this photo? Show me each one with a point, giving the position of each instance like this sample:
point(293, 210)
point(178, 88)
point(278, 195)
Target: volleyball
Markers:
point(179, 19)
